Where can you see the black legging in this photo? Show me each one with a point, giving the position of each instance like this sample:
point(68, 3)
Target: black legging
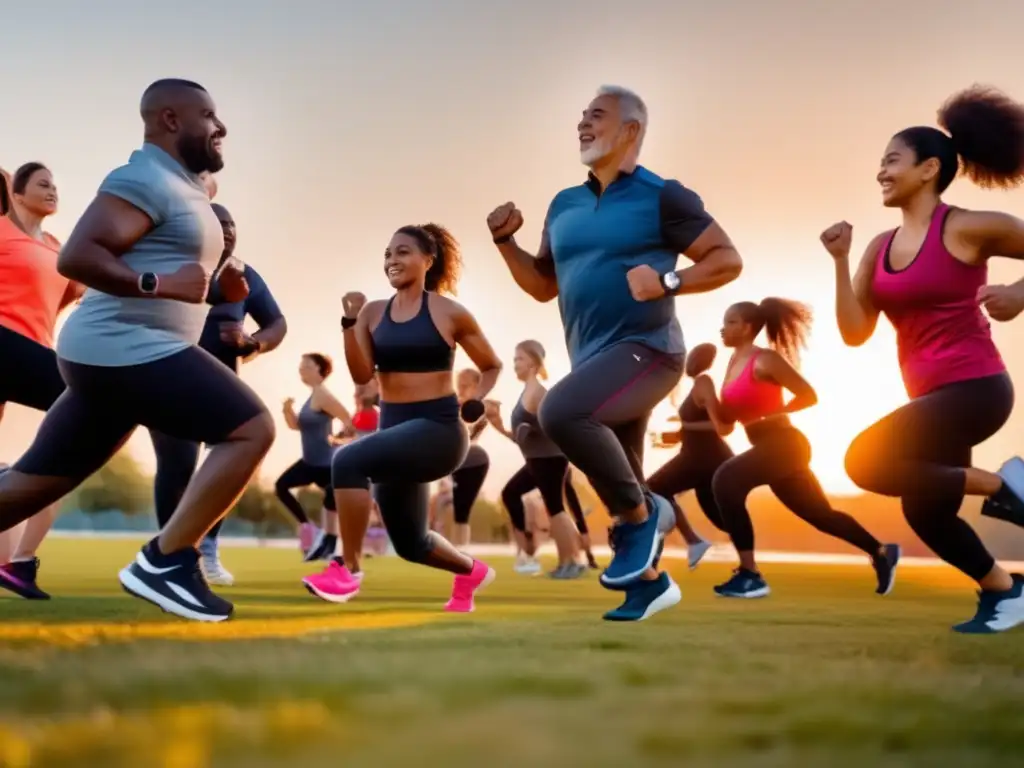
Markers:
point(176, 462)
point(549, 475)
point(299, 475)
point(417, 443)
point(918, 453)
point(692, 469)
point(466, 484)
point(780, 457)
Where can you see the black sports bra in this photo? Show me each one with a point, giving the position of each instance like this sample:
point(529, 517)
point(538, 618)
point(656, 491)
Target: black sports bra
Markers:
point(415, 346)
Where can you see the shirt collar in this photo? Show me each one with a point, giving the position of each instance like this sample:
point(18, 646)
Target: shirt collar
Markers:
point(594, 185)
point(159, 156)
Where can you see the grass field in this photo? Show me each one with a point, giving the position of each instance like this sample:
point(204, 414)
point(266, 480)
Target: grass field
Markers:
point(823, 673)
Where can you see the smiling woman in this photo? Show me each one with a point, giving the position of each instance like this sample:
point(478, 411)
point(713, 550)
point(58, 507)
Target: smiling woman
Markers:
point(32, 294)
point(409, 342)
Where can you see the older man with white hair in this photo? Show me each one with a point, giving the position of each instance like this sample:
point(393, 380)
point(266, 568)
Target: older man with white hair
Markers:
point(608, 253)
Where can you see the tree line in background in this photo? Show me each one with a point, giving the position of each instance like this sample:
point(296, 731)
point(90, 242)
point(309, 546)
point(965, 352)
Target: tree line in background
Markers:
point(123, 486)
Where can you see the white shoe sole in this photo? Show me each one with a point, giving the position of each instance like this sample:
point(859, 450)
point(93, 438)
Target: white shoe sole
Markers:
point(752, 595)
point(137, 588)
point(671, 596)
point(327, 596)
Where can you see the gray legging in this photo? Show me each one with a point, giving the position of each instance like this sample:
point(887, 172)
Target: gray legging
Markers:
point(417, 443)
point(598, 414)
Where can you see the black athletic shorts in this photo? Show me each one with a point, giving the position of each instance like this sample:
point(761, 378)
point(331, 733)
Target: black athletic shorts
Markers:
point(189, 395)
point(29, 374)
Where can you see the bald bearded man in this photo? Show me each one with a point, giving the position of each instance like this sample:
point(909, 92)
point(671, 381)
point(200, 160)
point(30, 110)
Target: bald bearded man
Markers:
point(146, 249)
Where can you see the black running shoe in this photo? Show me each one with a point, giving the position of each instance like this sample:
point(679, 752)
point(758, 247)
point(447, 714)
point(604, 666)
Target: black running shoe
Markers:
point(1005, 506)
point(885, 567)
point(174, 583)
point(20, 578)
point(322, 548)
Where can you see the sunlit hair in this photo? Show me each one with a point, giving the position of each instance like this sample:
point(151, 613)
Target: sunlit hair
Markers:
point(786, 323)
point(984, 139)
point(534, 350)
point(437, 242)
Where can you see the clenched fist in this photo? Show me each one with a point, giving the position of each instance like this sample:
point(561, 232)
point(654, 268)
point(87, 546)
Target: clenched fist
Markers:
point(645, 283)
point(189, 284)
point(352, 303)
point(837, 239)
point(233, 285)
point(504, 221)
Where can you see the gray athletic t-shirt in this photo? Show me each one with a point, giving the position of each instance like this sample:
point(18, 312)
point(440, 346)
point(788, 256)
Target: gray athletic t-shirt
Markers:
point(113, 331)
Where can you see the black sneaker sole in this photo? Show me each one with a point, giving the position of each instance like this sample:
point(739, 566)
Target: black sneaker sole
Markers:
point(136, 587)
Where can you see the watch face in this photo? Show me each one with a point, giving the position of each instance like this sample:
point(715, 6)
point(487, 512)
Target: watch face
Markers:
point(148, 282)
point(672, 280)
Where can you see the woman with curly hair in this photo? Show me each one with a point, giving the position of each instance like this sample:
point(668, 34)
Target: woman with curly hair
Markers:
point(409, 340)
point(779, 455)
point(929, 277)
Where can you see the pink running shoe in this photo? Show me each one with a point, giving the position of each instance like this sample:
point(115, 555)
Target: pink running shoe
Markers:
point(467, 586)
point(307, 535)
point(335, 583)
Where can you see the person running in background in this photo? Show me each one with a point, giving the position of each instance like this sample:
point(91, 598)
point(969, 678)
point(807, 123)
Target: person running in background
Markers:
point(313, 422)
point(469, 478)
point(410, 341)
point(928, 277)
point(366, 419)
point(223, 337)
point(146, 248)
point(32, 295)
point(609, 251)
point(701, 452)
point(779, 455)
point(546, 469)
point(440, 504)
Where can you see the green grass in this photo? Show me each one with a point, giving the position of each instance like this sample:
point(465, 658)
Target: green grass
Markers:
point(821, 673)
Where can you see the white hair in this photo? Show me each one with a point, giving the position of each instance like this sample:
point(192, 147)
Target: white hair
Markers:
point(631, 106)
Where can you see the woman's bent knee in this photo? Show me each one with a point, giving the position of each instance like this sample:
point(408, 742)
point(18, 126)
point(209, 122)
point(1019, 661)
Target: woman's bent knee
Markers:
point(347, 472)
point(862, 462)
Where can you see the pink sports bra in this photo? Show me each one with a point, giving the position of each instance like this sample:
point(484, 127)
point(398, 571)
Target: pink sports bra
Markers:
point(748, 399)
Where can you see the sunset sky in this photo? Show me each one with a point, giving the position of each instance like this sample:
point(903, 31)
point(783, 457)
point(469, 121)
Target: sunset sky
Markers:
point(347, 120)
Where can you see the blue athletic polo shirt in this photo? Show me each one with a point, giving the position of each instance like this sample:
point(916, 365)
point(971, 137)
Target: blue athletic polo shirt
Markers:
point(592, 239)
point(259, 305)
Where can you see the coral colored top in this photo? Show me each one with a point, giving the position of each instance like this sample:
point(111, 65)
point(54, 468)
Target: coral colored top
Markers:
point(747, 398)
point(942, 336)
point(31, 289)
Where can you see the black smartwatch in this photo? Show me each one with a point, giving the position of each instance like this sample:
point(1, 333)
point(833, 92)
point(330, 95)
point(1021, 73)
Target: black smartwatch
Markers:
point(348, 322)
point(671, 282)
point(148, 283)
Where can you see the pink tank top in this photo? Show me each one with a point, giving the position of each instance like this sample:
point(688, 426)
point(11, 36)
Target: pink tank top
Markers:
point(942, 336)
point(748, 399)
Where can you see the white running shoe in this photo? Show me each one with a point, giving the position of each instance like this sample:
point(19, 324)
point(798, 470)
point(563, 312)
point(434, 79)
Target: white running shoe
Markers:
point(526, 565)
